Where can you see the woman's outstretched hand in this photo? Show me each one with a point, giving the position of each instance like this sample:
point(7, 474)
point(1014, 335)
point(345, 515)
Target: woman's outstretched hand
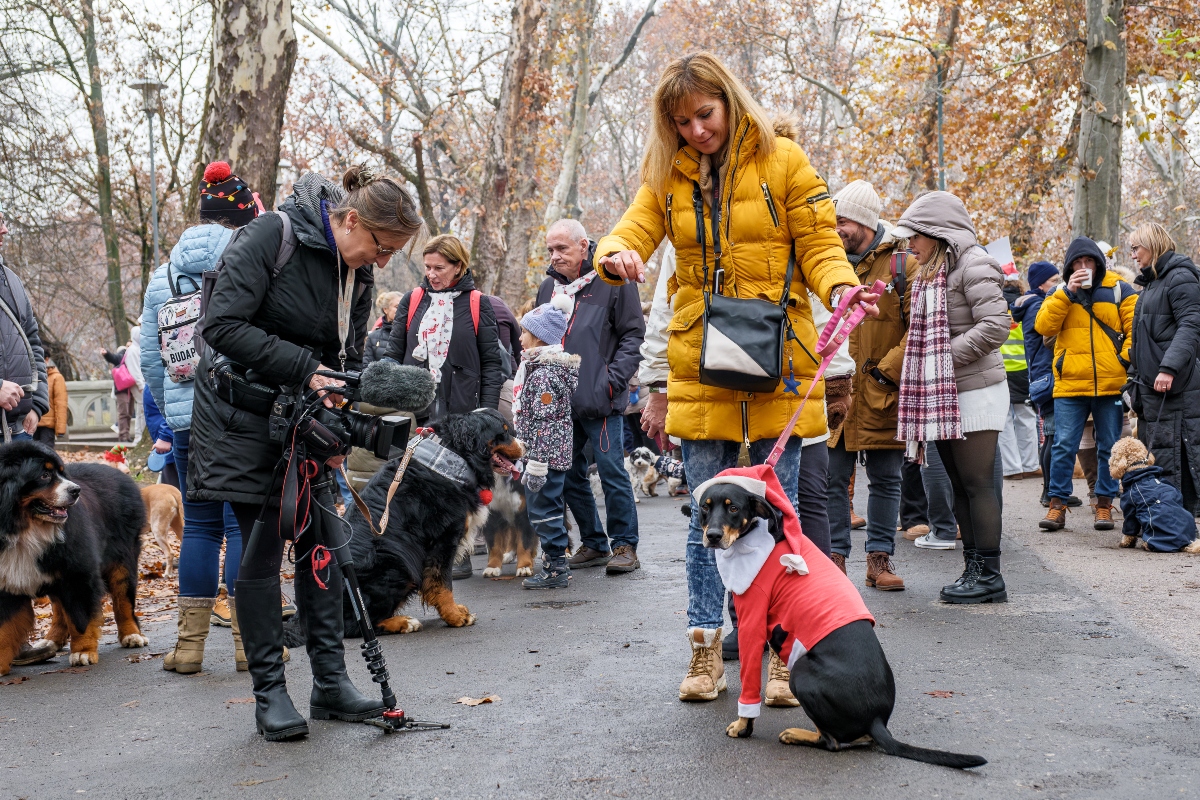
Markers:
point(626, 264)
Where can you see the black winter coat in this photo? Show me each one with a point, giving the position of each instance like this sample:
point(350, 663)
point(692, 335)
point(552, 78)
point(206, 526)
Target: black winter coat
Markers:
point(377, 343)
point(606, 329)
point(15, 364)
point(509, 329)
point(282, 329)
point(472, 375)
point(1166, 335)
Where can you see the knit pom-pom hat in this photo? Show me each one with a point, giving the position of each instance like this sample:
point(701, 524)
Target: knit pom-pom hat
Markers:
point(226, 198)
point(549, 322)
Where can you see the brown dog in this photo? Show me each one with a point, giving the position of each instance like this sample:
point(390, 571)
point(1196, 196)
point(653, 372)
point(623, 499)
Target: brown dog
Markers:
point(164, 516)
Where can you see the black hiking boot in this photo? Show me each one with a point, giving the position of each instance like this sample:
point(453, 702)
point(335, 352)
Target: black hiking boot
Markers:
point(981, 583)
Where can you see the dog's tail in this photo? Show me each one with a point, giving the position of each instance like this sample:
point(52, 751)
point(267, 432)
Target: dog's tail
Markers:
point(888, 744)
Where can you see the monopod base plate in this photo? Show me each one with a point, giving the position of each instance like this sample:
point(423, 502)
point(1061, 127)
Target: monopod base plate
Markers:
point(395, 721)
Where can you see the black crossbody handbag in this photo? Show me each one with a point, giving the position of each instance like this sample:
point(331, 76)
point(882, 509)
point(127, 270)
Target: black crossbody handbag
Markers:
point(743, 340)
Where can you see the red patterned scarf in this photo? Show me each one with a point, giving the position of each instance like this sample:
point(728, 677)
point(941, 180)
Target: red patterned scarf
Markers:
point(928, 409)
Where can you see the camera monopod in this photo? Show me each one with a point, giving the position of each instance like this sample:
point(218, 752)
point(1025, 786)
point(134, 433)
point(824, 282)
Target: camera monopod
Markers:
point(393, 719)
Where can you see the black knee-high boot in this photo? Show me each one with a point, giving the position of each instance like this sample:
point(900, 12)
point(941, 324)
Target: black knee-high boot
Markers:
point(262, 638)
point(333, 695)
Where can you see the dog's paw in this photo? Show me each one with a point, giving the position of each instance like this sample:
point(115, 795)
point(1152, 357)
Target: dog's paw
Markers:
point(134, 640)
point(510, 557)
point(463, 618)
point(1142, 544)
point(492, 572)
point(524, 572)
point(40, 643)
point(635, 499)
point(85, 658)
point(799, 736)
point(400, 625)
point(740, 728)
point(1129, 541)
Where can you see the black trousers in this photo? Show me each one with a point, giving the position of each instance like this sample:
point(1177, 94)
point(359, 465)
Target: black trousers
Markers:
point(914, 507)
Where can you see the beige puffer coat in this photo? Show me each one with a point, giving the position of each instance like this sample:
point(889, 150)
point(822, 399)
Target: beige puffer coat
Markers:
point(979, 320)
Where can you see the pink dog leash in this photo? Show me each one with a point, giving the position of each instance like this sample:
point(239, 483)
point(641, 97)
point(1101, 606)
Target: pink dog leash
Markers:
point(837, 330)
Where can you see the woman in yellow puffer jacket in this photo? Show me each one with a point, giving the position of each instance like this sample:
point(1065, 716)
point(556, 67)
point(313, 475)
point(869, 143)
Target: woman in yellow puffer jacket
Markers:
point(711, 139)
point(1091, 314)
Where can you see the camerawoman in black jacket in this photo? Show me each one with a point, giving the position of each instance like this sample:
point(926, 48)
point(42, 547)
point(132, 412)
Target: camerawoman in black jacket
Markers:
point(1165, 376)
point(312, 315)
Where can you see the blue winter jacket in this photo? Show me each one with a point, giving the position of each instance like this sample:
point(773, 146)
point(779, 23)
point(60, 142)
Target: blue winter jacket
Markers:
point(1154, 511)
point(158, 427)
point(196, 252)
point(1038, 357)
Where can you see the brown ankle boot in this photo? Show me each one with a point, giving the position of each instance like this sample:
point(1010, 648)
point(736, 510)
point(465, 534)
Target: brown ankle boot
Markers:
point(1104, 519)
point(839, 561)
point(1056, 517)
point(881, 574)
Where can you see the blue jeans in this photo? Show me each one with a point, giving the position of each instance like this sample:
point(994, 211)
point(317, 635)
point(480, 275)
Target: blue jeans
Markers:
point(546, 508)
point(1070, 415)
point(702, 460)
point(347, 498)
point(205, 525)
point(607, 438)
point(883, 497)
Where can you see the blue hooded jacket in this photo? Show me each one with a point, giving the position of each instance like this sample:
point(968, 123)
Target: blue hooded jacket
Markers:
point(196, 252)
point(1154, 511)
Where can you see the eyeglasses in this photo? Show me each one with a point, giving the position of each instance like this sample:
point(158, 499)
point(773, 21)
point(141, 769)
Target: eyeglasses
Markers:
point(380, 250)
point(1135, 248)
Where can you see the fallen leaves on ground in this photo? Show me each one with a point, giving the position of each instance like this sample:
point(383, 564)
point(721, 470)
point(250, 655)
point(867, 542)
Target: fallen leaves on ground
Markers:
point(69, 670)
point(131, 704)
point(16, 680)
point(475, 701)
point(239, 700)
point(940, 693)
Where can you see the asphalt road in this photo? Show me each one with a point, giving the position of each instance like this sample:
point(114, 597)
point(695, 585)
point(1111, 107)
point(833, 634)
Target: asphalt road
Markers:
point(1062, 691)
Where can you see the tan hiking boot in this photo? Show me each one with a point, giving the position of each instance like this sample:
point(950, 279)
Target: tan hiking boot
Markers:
point(220, 612)
point(779, 689)
point(706, 674)
point(239, 654)
point(1056, 517)
point(187, 657)
point(1103, 511)
point(881, 574)
point(916, 532)
point(624, 559)
point(839, 561)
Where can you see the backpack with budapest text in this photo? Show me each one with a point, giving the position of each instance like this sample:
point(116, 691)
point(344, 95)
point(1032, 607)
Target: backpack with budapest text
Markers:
point(287, 247)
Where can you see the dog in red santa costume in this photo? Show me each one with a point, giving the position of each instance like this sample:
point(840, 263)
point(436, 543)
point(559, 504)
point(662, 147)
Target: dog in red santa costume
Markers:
point(789, 595)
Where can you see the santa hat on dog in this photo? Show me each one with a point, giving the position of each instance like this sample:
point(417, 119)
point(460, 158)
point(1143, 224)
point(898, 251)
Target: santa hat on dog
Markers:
point(762, 481)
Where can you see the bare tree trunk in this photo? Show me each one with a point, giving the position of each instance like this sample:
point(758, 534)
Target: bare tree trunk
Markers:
point(254, 50)
point(422, 184)
point(112, 245)
point(1098, 187)
point(1041, 180)
point(924, 173)
point(488, 245)
point(579, 115)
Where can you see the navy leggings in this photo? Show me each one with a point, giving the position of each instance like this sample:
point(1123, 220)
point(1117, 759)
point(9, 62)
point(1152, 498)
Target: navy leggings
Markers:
point(206, 524)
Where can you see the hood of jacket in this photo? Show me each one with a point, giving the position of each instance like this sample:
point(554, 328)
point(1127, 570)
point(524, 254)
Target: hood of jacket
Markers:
point(551, 357)
point(1080, 247)
point(465, 284)
point(584, 268)
point(1166, 262)
point(1011, 294)
point(941, 215)
point(304, 207)
point(1020, 307)
point(199, 248)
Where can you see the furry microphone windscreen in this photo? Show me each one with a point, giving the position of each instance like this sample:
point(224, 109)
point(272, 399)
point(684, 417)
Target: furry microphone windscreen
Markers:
point(391, 385)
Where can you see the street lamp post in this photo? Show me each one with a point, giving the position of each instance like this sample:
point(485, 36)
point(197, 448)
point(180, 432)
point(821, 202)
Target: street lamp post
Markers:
point(941, 84)
point(150, 87)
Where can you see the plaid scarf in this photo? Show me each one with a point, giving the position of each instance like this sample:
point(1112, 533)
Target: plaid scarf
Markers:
point(928, 409)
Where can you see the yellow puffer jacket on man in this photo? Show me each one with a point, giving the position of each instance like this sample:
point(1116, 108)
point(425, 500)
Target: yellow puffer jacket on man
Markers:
point(1086, 363)
point(766, 205)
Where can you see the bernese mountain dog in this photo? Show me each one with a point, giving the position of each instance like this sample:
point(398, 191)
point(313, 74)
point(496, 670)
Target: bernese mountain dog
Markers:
point(72, 534)
point(433, 520)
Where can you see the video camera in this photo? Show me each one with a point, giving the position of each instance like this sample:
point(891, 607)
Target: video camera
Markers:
point(329, 432)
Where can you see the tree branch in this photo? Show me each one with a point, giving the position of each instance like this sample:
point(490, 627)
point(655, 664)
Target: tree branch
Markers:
point(608, 69)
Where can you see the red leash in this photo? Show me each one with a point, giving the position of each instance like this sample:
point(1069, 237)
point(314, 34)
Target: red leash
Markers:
point(837, 330)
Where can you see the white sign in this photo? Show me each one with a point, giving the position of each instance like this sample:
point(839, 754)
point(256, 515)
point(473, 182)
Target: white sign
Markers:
point(1001, 250)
